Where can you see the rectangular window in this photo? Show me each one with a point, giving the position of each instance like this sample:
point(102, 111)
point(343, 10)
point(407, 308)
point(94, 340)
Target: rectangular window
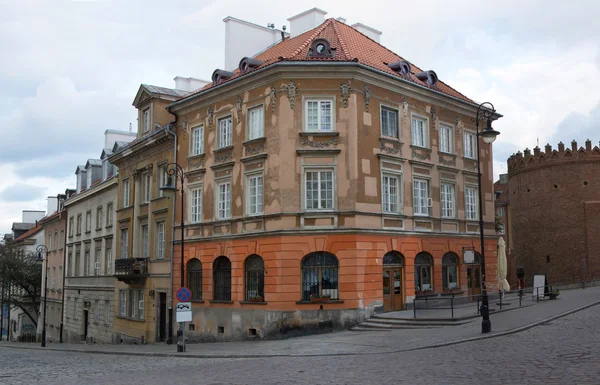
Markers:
point(389, 122)
point(89, 178)
point(124, 243)
point(256, 123)
point(446, 139)
point(469, 144)
point(500, 212)
point(160, 240)
point(447, 200)
point(255, 195)
point(146, 187)
point(225, 132)
point(421, 200)
point(196, 205)
point(97, 257)
point(71, 227)
point(319, 190)
point(108, 268)
point(145, 240)
point(78, 224)
point(471, 203)
point(319, 115)
point(99, 217)
point(198, 140)
point(390, 194)
point(104, 169)
point(500, 229)
point(88, 221)
point(106, 312)
point(49, 242)
point(70, 264)
point(418, 132)
point(87, 267)
point(125, 193)
point(53, 277)
point(55, 243)
point(133, 304)
point(61, 241)
point(224, 201)
point(60, 277)
point(123, 303)
point(109, 214)
point(146, 120)
point(77, 272)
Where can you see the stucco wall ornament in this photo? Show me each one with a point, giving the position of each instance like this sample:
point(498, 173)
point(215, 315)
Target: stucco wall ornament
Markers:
point(451, 162)
point(405, 106)
point(254, 150)
point(345, 87)
point(367, 97)
point(211, 115)
point(315, 144)
point(199, 164)
point(433, 118)
point(220, 158)
point(395, 150)
point(238, 104)
point(416, 155)
point(272, 94)
point(291, 91)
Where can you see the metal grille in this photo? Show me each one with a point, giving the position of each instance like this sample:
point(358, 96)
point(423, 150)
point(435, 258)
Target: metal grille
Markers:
point(195, 278)
point(319, 275)
point(222, 279)
point(255, 277)
point(393, 258)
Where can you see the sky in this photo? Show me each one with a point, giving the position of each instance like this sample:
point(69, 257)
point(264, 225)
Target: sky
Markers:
point(71, 69)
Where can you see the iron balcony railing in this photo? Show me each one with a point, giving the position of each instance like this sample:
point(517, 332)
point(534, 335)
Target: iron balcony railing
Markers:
point(131, 268)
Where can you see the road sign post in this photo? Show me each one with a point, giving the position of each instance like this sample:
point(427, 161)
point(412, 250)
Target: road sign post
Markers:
point(183, 312)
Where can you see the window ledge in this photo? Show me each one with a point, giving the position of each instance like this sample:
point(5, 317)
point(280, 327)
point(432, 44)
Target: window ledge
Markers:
point(130, 319)
point(429, 294)
point(252, 303)
point(455, 292)
point(467, 158)
point(319, 303)
point(196, 300)
point(144, 204)
point(157, 199)
point(222, 149)
point(390, 139)
point(89, 231)
point(196, 157)
point(255, 140)
point(319, 133)
point(220, 301)
point(108, 227)
point(420, 148)
point(447, 154)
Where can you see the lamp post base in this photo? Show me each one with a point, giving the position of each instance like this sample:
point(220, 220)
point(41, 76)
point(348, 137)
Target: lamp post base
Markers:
point(43, 338)
point(180, 339)
point(486, 326)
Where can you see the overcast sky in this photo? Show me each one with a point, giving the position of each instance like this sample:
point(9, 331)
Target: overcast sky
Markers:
point(70, 69)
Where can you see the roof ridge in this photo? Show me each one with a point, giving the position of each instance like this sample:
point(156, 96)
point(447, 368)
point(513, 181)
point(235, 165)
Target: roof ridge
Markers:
point(339, 36)
point(316, 33)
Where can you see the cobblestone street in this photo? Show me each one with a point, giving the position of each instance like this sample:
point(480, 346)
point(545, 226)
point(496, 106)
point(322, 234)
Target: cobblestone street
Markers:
point(564, 351)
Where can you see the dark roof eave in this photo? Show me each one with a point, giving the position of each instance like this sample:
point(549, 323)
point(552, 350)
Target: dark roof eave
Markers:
point(135, 146)
point(336, 63)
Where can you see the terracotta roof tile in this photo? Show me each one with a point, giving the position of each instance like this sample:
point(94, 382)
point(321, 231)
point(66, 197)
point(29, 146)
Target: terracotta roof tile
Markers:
point(350, 46)
point(29, 233)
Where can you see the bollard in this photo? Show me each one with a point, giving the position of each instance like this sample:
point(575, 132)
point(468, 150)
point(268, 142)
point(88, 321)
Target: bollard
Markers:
point(478, 304)
point(520, 297)
point(452, 305)
point(415, 307)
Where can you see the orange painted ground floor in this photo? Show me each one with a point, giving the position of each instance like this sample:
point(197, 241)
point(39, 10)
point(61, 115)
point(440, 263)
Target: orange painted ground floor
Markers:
point(272, 286)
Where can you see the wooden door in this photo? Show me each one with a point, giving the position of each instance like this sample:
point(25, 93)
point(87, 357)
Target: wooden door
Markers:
point(393, 288)
point(474, 280)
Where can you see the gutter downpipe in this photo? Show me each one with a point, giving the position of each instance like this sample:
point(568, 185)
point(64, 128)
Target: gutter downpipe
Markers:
point(62, 301)
point(170, 292)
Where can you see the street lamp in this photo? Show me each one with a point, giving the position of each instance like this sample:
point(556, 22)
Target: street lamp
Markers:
point(169, 190)
point(489, 135)
point(42, 251)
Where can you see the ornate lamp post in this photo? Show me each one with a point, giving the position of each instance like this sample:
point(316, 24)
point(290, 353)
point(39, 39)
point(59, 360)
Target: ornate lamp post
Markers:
point(175, 170)
point(42, 255)
point(486, 110)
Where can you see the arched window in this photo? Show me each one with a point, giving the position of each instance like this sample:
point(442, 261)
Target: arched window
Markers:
point(194, 278)
point(423, 262)
point(393, 258)
point(319, 275)
point(222, 279)
point(450, 270)
point(255, 278)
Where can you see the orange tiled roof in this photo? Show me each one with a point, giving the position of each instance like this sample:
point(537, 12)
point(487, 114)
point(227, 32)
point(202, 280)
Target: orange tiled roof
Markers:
point(350, 46)
point(29, 233)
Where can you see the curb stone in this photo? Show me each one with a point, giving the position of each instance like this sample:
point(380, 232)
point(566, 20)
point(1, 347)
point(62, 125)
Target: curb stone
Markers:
point(249, 356)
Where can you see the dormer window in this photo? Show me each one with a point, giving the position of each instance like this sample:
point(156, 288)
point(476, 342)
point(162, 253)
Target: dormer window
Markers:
point(89, 178)
point(105, 166)
point(321, 48)
point(146, 120)
point(81, 181)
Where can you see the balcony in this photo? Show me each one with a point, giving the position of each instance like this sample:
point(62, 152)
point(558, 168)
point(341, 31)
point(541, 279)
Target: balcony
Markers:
point(131, 270)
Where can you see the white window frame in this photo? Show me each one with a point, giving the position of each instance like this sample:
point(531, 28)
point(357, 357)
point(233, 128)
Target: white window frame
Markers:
point(108, 253)
point(99, 217)
point(60, 275)
point(88, 221)
point(197, 141)
point(500, 212)
point(146, 120)
point(195, 204)
point(145, 241)
point(254, 197)
point(146, 187)
point(319, 101)
point(389, 109)
point(447, 207)
point(88, 262)
point(133, 302)
point(123, 303)
point(471, 203)
point(126, 191)
point(444, 127)
point(421, 203)
point(413, 131)
point(97, 258)
point(225, 134)
point(53, 277)
point(223, 206)
point(124, 243)
point(162, 170)
point(105, 169)
point(319, 172)
point(386, 203)
point(256, 124)
point(109, 214)
point(160, 239)
point(469, 151)
point(501, 230)
point(89, 178)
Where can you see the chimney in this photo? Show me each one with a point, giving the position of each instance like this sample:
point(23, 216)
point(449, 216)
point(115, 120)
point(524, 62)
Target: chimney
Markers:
point(52, 205)
point(245, 39)
point(306, 20)
point(366, 30)
point(189, 84)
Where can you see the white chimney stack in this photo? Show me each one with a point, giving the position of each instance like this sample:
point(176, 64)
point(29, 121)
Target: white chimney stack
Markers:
point(306, 20)
point(368, 31)
point(52, 205)
point(189, 84)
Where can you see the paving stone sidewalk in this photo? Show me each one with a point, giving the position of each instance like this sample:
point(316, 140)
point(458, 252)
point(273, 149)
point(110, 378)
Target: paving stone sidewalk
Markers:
point(358, 343)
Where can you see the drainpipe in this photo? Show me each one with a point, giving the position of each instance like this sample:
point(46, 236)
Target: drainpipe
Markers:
point(62, 301)
point(170, 292)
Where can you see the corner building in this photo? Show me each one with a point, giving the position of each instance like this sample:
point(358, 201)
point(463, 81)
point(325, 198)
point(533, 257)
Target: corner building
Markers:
point(326, 166)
